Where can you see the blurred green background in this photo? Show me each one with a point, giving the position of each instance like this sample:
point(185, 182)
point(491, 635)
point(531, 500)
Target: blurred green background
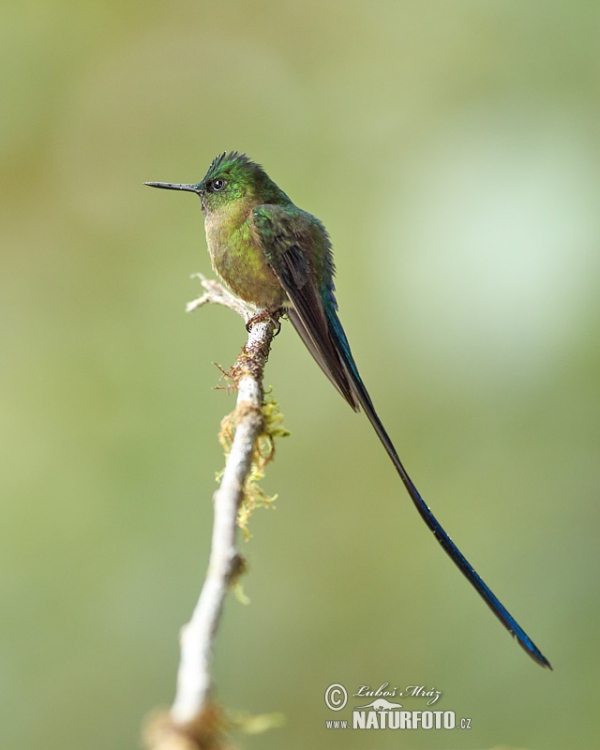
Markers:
point(452, 151)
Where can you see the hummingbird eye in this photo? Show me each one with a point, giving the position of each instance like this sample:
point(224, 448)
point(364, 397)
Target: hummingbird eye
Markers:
point(217, 185)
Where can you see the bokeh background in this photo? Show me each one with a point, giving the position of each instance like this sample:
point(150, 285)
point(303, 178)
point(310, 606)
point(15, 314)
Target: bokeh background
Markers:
point(452, 151)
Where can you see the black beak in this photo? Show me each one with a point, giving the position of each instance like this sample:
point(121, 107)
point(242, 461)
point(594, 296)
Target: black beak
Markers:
point(173, 186)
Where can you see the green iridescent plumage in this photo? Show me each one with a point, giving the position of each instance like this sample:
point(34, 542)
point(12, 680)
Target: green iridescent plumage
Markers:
point(274, 255)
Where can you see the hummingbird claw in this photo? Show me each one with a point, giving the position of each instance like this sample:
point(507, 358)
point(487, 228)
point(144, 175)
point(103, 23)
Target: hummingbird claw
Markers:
point(272, 315)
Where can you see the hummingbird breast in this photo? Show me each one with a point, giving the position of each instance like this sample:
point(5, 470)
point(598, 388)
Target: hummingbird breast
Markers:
point(237, 256)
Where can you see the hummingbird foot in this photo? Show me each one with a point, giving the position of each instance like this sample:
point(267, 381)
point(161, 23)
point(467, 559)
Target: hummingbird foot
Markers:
point(272, 315)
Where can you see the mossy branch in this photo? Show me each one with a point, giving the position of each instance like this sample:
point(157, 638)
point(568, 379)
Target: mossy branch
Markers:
point(194, 720)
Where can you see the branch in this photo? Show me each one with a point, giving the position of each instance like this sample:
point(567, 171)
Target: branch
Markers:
point(218, 295)
point(193, 719)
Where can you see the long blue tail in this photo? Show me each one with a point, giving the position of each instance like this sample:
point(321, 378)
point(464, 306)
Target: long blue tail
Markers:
point(451, 549)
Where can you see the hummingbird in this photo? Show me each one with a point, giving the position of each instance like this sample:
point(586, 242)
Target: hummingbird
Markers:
point(278, 257)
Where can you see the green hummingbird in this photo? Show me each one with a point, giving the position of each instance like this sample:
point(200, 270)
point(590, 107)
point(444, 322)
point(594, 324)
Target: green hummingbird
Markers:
point(275, 255)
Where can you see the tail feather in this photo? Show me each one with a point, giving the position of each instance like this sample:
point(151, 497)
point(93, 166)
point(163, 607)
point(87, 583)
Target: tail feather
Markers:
point(362, 396)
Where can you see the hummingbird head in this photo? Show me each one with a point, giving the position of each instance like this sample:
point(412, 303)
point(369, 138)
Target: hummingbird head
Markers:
point(232, 177)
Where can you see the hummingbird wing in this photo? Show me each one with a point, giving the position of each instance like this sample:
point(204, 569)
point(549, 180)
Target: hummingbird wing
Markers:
point(298, 250)
point(336, 375)
point(285, 234)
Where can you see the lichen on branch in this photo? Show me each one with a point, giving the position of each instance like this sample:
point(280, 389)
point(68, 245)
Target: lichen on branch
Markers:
point(263, 453)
